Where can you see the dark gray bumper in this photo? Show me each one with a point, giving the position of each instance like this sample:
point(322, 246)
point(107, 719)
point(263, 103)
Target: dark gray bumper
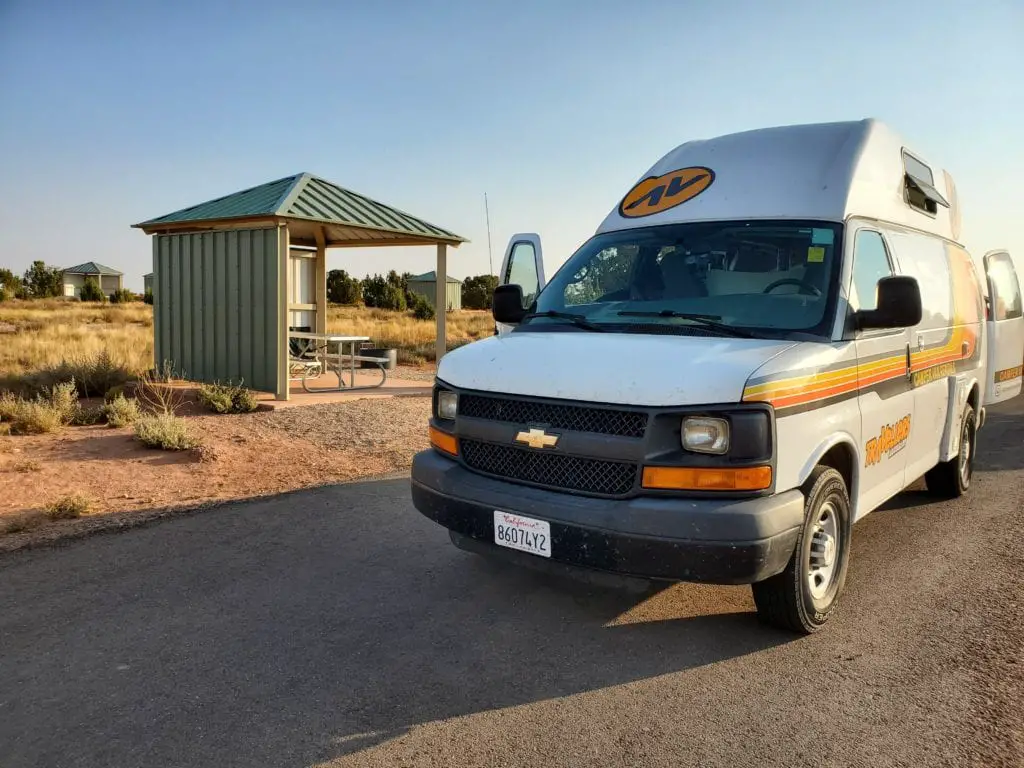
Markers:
point(719, 541)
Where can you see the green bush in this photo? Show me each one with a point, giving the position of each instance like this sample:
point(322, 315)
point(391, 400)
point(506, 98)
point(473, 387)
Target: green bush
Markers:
point(68, 507)
point(122, 296)
point(228, 398)
point(147, 297)
point(421, 308)
point(91, 291)
point(122, 411)
point(165, 431)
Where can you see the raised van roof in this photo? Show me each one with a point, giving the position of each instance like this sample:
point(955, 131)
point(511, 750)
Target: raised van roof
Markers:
point(824, 171)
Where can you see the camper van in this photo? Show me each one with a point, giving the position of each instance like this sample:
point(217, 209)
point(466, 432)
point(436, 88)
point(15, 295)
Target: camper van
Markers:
point(771, 334)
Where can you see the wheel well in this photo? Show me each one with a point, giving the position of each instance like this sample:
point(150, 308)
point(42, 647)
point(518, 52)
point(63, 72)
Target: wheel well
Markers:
point(841, 458)
point(972, 398)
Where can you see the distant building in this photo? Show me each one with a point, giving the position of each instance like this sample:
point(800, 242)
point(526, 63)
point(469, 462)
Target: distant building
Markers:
point(426, 285)
point(147, 282)
point(108, 278)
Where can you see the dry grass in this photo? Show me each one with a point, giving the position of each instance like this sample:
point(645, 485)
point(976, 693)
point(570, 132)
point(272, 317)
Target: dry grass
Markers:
point(414, 339)
point(36, 335)
point(39, 335)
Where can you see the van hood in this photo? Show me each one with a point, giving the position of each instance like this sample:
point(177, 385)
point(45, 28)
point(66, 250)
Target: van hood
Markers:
point(618, 368)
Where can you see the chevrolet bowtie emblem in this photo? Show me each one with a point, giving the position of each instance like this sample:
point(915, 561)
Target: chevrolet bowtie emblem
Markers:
point(537, 438)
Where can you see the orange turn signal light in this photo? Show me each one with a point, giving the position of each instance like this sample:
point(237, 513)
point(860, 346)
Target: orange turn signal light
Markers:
point(444, 442)
point(704, 479)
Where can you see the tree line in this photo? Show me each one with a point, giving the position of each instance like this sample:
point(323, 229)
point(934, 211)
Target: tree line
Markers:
point(43, 282)
point(391, 291)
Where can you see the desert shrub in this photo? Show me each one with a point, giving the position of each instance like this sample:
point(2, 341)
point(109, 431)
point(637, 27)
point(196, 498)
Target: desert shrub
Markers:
point(63, 398)
point(42, 414)
point(421, 308)
point(228, 398)
point(85, 417)
point(122, 296)
point(93, 376)
point(122, 411)
point(28, 465)
point(114, 392)
point(67, 507)
point(165, 431)
point(147, 297)
point(91, 291)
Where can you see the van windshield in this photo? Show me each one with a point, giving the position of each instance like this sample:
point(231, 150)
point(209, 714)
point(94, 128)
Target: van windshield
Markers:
point(767, 279)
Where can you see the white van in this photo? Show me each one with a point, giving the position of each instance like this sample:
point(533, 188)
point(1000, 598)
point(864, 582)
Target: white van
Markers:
point(773, 333)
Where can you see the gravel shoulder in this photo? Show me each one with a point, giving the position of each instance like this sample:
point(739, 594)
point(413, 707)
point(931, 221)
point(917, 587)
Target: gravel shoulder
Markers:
point(244, 456)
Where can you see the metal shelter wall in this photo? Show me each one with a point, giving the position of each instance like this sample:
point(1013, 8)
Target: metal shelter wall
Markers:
point(217, 305)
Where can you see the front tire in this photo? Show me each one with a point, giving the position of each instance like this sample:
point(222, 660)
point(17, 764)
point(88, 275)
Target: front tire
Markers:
point(806, 593)
point(951, 479)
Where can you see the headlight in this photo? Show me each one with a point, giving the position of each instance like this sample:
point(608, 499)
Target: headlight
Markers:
point(701, 434)
point(447, 404)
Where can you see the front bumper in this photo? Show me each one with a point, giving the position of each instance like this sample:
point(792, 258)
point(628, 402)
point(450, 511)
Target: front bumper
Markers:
point(710, 540)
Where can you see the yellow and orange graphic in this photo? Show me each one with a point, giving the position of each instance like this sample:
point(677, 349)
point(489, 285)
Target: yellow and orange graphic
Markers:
point(659, 193)
point(1009, 374)
point(890, 440)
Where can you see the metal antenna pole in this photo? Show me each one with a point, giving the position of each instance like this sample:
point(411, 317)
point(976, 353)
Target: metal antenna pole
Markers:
point(490, 258)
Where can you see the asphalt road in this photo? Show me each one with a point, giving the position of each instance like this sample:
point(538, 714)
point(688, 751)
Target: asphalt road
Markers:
point(339, 627)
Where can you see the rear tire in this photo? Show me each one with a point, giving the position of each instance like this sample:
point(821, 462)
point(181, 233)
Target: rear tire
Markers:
point(951, 479)
point(806, 593)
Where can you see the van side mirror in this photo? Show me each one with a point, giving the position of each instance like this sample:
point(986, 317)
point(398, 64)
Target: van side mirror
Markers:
point(899, 305)
point(507, 306)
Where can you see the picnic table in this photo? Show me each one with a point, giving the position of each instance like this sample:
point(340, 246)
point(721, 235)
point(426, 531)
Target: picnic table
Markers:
point(311, 355)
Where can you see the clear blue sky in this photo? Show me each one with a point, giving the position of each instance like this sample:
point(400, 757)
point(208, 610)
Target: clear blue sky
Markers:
point(114, 112)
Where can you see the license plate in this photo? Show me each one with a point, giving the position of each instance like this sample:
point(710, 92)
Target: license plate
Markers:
point(522, 533)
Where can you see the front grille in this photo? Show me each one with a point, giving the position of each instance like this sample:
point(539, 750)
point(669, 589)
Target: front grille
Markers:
point(575, 418)
point(555, 470)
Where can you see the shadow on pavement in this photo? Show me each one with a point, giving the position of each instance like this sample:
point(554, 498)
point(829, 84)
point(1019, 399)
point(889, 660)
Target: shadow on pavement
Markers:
point(299, 628)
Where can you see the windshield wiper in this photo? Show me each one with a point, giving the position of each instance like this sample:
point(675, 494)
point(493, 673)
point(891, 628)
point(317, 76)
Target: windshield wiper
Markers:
point(578, 320)
point(708, 321)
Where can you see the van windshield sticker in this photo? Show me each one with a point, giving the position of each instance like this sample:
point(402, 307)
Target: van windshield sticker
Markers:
point(660, 193)
point(815, 254)
point(822, 236)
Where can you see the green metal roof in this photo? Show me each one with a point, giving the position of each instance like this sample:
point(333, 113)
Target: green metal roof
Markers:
point(92, 268)
point(431, 277)
point(305, 196)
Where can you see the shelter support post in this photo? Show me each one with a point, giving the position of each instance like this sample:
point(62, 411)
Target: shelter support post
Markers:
point(440, 299)
point(283, 294)
point(321, 282)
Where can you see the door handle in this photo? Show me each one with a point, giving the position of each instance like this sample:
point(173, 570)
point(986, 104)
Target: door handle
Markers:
point(964, 347)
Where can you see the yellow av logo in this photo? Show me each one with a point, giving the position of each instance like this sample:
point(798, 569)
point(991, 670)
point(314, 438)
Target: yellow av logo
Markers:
point(659, 193)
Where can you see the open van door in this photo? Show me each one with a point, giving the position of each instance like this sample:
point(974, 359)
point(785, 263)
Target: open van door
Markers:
point(1005, 318)
point(523, 265)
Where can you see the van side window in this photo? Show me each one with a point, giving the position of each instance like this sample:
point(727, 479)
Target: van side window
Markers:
point(870, 264)
point(522, 271)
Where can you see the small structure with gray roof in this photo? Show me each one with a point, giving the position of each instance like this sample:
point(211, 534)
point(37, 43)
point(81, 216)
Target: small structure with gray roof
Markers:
point(107, 278)
point(426, 286)
point(232, 275)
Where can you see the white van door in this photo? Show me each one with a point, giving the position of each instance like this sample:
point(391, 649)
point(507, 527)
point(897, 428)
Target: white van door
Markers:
point(1005, 318)
point(523, 265)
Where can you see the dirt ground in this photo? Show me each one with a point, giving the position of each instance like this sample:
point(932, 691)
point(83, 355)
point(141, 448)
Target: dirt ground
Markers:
point(243, 456)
